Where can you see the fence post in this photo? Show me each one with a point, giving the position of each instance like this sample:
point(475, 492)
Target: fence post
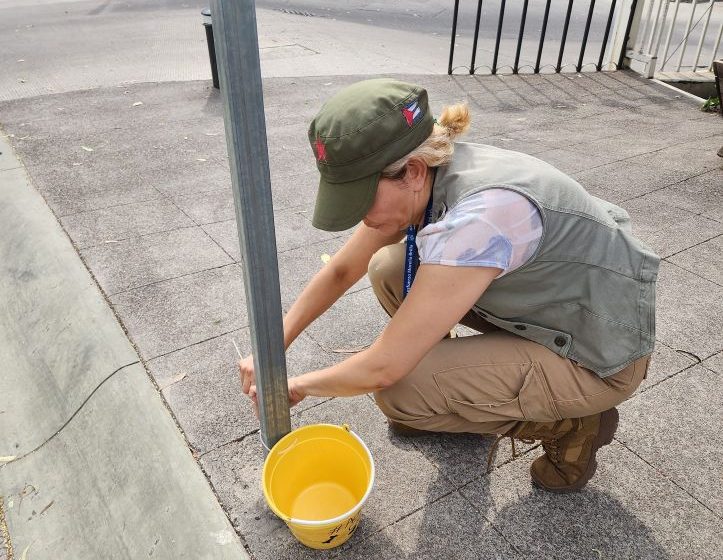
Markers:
point(627, 27)
point(643, 63)
point(237, 54)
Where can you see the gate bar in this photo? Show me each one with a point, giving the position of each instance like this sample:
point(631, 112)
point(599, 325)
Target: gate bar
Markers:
point(607, 34)
point(476, 36)
point(584, 37)
point(454, 36)
point(564, 37)
point(542, 36)
point(515, 68)
point(624, 48)
point(499, 35)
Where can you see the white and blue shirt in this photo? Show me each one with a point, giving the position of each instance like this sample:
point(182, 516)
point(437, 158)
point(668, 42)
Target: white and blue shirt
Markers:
point(497, 228)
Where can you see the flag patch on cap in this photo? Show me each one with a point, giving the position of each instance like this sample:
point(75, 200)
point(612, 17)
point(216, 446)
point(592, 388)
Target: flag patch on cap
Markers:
point(412, 113)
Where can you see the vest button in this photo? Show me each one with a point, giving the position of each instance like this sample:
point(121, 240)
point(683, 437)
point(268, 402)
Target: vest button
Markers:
point(560, 341)
point(520, 327)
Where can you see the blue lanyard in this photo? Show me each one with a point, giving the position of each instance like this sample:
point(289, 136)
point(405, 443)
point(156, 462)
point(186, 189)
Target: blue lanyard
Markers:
point(411, 260)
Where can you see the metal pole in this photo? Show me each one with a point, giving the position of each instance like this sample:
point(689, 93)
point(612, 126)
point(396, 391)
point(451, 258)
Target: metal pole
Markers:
point(686, 35)
point(558, 69)
point(476, 36)
point(662, 29)
point(670, 34)
point(516, 67)
point(499, 36)
point(237, 54)
point(626, 37)
point(585, 34)
point(454, 36)
point(542, 36)
point(607, 34)
point(656, 26)
point(702, 37)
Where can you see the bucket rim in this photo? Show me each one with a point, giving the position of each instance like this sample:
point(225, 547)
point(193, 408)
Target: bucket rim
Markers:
point(321, 522)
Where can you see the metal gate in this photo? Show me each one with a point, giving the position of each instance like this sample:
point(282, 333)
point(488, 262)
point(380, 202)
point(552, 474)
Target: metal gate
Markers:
point(498, 19)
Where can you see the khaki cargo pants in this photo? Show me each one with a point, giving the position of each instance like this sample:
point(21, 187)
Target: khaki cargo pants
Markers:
point(486, 383)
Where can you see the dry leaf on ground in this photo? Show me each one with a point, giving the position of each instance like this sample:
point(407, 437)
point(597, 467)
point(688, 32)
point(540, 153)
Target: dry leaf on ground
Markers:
point(171, 381)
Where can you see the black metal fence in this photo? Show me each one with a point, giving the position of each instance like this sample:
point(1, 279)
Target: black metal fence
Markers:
point(543, 32)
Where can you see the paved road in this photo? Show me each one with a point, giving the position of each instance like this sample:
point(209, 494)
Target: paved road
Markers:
point(435, 16)
point(50, 46)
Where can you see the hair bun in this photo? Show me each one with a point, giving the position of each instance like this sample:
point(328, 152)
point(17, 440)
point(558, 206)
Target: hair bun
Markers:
point(456, 119)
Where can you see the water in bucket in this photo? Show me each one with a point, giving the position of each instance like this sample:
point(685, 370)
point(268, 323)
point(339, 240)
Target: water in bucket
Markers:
point(316, 479)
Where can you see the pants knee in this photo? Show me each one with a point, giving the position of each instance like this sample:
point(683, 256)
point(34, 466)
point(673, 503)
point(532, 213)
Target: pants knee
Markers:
point(393, 402)
point(386, 404)
point(385, 267)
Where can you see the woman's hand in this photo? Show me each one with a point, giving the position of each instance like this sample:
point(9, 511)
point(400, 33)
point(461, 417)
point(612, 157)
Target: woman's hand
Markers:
point(246, 373)
point(296, 395)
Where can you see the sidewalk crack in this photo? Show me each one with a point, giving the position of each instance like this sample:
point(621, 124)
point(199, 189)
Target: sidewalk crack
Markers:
point(666, 477)
point(72, 415)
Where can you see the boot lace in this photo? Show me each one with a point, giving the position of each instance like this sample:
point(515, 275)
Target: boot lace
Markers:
point(552, 449)
point(493, 448)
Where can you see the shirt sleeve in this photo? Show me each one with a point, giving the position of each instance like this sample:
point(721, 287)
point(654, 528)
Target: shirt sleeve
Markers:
point(497, 228)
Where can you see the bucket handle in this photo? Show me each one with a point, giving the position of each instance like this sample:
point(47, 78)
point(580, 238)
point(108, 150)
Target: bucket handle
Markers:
point(289, 447)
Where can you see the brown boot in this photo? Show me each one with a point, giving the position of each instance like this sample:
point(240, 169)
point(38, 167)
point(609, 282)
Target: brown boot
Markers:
point(570, 446)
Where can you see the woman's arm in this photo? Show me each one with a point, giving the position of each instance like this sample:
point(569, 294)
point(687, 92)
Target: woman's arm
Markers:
point(343, 271)
point(439, 298)
point(329, 284)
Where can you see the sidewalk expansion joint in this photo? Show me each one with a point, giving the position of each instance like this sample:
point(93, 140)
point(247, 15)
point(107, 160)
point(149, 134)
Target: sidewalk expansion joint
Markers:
point(666, 477)
point(669, 377)
point(132, 288)
point(230, 442)
point(72, 415)
point(494, 527)
point(242, 327)
point(131, 237)
point(690, 271)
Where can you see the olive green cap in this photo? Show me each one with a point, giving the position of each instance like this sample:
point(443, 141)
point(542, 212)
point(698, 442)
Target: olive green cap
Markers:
point(355, 135)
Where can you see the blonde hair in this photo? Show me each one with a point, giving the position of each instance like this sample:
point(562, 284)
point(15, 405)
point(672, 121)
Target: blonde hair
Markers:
point(438, 148)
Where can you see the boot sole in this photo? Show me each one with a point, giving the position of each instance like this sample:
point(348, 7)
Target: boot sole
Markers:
point(608, 426)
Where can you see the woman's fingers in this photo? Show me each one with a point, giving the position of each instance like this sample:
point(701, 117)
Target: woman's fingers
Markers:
point(254, 400)
point(246, 372)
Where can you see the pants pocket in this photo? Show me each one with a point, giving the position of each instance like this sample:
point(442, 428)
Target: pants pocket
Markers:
point(494, 392)
point(536, 399)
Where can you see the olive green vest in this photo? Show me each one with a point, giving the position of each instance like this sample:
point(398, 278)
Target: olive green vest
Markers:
point(588, 292)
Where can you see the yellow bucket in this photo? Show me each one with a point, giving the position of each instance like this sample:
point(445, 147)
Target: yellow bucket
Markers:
point(317, 479)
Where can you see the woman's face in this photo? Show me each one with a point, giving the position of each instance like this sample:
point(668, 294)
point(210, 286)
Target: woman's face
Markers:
point(399, 202)
point(392, 209)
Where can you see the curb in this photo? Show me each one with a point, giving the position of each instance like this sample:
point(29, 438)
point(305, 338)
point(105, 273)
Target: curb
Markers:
point(92, 464)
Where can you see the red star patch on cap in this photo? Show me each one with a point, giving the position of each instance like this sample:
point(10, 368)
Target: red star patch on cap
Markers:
point(320, 150)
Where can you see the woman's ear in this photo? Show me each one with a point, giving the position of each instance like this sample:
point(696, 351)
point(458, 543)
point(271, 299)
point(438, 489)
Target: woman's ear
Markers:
point(416, 173)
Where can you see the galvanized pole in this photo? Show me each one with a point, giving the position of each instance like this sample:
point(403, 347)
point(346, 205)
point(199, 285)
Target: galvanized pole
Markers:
point(237, 53)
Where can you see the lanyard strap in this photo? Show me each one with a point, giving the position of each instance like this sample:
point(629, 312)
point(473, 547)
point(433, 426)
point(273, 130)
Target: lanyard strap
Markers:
point(411, 260)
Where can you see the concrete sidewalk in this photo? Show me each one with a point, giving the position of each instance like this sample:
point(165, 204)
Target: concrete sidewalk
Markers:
point(85, 439)
point(143, 192)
